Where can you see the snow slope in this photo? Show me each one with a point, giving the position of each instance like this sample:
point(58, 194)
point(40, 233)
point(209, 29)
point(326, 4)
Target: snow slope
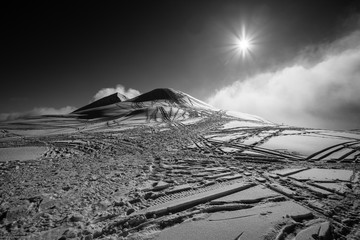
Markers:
point(162, 104)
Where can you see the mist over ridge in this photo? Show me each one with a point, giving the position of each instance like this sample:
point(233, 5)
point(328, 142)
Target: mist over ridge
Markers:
point(312, 93)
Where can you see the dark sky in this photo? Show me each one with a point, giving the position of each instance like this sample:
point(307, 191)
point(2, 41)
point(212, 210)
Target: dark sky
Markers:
point(61, 54)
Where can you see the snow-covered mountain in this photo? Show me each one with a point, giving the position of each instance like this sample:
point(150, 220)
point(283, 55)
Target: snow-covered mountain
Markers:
point(162, 104)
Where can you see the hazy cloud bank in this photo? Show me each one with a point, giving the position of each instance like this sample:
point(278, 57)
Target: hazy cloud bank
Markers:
point(36, 112)
point(322, 89)
point(130, 93)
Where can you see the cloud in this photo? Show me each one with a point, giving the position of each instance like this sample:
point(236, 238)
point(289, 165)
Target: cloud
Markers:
point(130, 93)
point(321, 89)
point(36, 112)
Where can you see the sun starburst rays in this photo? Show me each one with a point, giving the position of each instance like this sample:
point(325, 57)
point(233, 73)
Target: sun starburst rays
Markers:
point(240, 46)
point(243, 45)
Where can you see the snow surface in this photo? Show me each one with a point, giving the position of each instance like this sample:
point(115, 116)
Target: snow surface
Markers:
point(21, 153)
point(246, 116)
point(238, 124)
point(302, 144)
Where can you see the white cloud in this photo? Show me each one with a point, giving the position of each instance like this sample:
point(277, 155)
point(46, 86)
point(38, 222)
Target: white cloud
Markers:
point(36, 112)
point(130, 93)
point(324, 94)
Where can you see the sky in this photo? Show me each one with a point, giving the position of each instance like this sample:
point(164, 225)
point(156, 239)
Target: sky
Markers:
point(302, 68)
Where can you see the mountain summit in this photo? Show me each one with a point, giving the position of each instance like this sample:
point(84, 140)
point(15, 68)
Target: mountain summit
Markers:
point(161, 104)
point(110, 99)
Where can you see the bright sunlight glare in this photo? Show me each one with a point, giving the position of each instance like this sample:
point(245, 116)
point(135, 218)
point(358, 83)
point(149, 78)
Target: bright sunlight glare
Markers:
point(243, 45)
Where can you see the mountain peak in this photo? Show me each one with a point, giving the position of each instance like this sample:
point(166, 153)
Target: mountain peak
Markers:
point(110, 99)
point(158, 105)
point(159, 94)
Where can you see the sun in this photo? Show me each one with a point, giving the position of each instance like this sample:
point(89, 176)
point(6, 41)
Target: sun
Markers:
point(243, 45)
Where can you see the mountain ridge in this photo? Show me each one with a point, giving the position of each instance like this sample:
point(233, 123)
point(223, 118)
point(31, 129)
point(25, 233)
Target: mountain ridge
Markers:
point(107, 100)
point(160, 104)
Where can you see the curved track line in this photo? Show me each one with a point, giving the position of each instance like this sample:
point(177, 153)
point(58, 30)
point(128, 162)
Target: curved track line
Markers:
point(258, 149)
point(328, 148)
point(347, 154)
point(331, 152)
